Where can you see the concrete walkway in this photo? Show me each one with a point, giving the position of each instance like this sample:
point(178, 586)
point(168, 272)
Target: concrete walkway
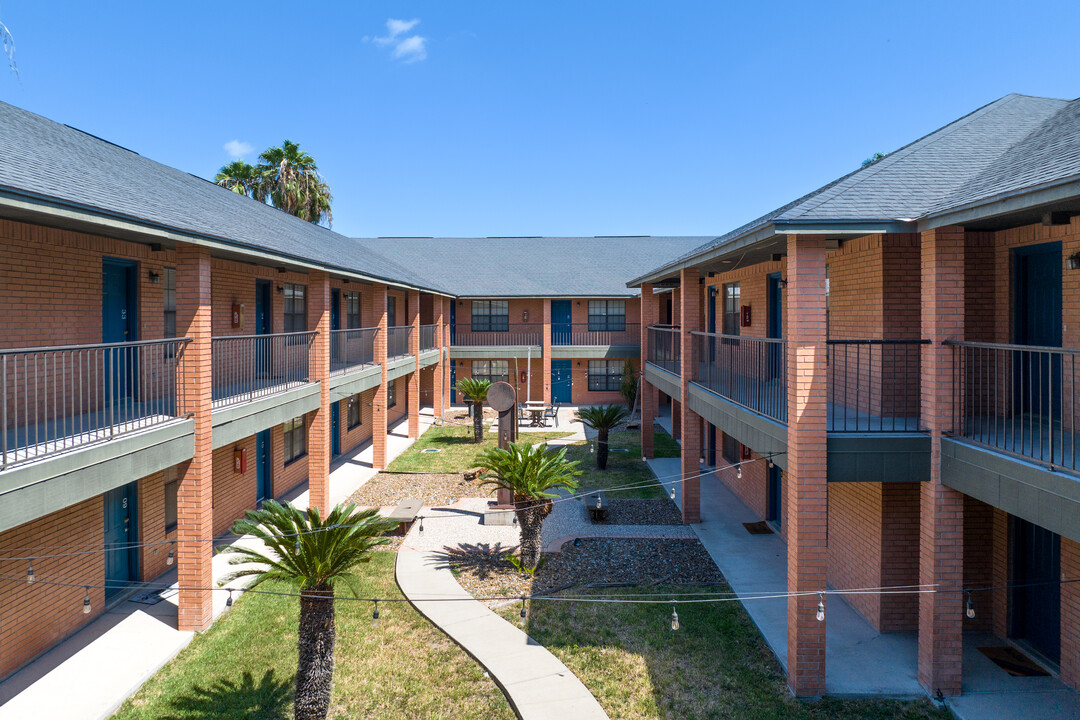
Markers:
point(537, 684)
point(88, 675)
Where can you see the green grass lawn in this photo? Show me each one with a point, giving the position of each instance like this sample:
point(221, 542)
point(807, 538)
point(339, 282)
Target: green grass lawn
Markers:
point(664, 446)
point(715, 666)
point(244, 666)
point(459, 452)
point(625, 466)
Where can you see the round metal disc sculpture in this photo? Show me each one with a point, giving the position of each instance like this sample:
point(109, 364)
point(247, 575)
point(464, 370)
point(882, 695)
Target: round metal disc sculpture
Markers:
point(502, 397)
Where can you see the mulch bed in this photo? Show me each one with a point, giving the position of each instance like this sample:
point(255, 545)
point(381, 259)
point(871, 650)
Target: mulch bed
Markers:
point(658, 511)
point(433, 488)
point(483, 572)
point(459, 416)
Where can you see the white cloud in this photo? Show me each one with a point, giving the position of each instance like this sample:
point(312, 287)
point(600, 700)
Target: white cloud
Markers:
point(407, 49)
point(238, 149)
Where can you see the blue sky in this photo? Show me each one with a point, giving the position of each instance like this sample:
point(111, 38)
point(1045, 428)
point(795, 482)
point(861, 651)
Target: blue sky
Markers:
point(536, 118)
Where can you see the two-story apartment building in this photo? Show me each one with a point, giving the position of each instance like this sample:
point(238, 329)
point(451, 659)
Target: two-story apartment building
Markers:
point(903, 344)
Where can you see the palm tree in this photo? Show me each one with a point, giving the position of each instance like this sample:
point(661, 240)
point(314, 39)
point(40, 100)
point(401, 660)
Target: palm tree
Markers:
point(241, 178)
point(476, 391)
point(292, 182)
point(602, 419)
point(532, 473)
point(316, 554)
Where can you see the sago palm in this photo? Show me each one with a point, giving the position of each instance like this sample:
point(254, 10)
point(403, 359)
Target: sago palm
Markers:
point(316, 554)
point(602, 419)
point(292, 181)
point(533, 473)
point(476, 391)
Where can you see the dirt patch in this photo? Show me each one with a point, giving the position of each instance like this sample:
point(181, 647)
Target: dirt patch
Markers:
point(484, 572)
point(459, 416)
point(433, 488)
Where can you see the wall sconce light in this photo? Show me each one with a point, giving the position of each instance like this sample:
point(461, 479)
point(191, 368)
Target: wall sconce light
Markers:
point(155, 278)
point(280, 289)
point(524, 316)
point(1073, 262)
point(782, 282)
point(579, 303)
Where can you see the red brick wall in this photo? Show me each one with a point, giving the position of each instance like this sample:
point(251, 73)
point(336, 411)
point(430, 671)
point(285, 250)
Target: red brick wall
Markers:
point(234, 493)
point(580, 393)
point(286, 477)
point(855, 543)
point(753, 487)
point(1070, 613)
point(362, 432)
point(399, 410)
point(979, 560)
point(35, 616)
point(899, 554)
point(151, 518)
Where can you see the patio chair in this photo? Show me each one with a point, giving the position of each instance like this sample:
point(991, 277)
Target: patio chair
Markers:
point(552, 412)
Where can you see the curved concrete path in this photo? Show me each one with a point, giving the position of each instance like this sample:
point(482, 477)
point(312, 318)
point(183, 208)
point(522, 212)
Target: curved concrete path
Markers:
point(537, 684)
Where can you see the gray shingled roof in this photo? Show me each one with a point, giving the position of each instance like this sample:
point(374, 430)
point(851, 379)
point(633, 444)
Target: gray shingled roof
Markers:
point(532, 267)
point(43, 158)
point(1005, 145)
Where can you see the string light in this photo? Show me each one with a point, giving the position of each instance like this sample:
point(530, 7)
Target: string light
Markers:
point(577, 542)
point(738, 471)
point(171, 557)
point(674, 618)
point(86, 602)
point(30, 573)
point(820, 608)
point(375, 615)
point(228, 602)
point(672, 491)
point(598, 502)
point(515, 517)
point(420, 531)
point(523, 613)
point(969, 606)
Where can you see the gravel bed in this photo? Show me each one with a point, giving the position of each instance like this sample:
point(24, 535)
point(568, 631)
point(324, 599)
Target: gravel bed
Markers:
point(658, 511)
point(460, 416)
point(433, 488)
point(483, 572)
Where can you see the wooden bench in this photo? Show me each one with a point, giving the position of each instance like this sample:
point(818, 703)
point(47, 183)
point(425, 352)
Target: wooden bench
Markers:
point(405, 513)
point(596, 514)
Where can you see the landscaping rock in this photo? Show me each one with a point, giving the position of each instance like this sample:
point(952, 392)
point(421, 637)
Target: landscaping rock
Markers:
point(433, 488)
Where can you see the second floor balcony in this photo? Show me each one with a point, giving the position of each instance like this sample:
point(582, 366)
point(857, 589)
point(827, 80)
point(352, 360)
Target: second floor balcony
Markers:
point(499, 334)
point(248, 367)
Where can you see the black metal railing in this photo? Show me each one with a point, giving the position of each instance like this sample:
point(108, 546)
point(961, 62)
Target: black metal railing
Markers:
point(427, 337)
point(53, 399)
point(874, 385)
point(1019, 399)
point(494, 334)
point(749, 371)
point(352, 349)
point(246, 367)
point(397, 341)
point(596, 334)
point(664, 350)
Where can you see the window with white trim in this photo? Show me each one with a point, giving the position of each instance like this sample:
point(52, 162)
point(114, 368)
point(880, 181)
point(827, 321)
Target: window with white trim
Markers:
point(295, 439)
point(731, 308)
point(295, 307)
point(352, 310)
point(491, 370)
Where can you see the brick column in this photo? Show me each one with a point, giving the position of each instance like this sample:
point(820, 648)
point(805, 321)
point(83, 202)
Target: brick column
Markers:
point(319, 445)
point(546, 345)
point(941, 536)
point(195, 496)
point(649, 397)
point(442, 339)
point(689, 421)
point(446, 363)
point(807, 498)
point(378, 409)
point(412, 303)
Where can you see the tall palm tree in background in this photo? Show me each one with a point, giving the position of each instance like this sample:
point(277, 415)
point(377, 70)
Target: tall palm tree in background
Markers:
point(476, 391)
point(532, 472)
point(287, 177)
point(603, 419)
point(242, 179)
point(292, 182)
point(315, 553)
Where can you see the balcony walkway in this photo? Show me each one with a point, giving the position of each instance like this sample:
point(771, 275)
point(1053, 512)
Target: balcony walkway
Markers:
point(89, 675)
point(860, 661)
point(1029, 436)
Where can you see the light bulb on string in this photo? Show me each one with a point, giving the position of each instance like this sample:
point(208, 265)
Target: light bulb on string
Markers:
point(523, 613)
point(674, 618)
point(86, 602)
point(599, 502)
point(375, 615)
point(738, 471)
point(171, 557)
point(228, 602)
point(969, 606)
point(820, 608)
point(420, 531)
point(30, 573)
point(515, 517)
point(672, 491)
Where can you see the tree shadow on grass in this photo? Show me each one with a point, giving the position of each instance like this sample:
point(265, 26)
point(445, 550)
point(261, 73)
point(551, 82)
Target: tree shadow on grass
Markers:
point(267, 699)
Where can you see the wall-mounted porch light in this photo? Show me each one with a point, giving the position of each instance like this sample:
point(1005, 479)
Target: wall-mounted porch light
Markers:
point(155, 278)
point(1073, 262)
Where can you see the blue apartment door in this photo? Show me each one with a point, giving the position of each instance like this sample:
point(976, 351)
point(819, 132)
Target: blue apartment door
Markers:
point(263, 466)
point(561, 383)
point(121, 560)
point(561, 327)
point(263, 313)
point(775, 508)
point(335, 324)
point(1036, 595)
point(335, 435)
point(1037, 321)
point(453, 382)
point(119, 324)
